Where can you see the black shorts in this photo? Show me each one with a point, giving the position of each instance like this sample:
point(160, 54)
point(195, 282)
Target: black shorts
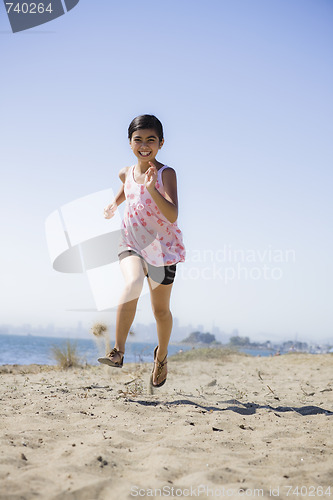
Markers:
point(164, 275)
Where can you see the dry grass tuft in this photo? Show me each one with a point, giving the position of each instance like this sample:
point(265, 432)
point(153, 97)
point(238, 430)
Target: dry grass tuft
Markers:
point(66, 356)
point(206, 353)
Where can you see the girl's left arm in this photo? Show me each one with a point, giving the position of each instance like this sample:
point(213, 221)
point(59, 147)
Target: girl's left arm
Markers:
point(168, 204)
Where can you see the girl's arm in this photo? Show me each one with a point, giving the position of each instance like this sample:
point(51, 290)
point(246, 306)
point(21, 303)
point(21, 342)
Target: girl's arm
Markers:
point(110, 210)
point(169, 204)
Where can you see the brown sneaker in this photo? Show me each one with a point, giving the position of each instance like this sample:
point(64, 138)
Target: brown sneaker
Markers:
point(115, 358)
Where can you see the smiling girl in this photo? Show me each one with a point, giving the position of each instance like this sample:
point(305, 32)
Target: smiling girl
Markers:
point(151, 243)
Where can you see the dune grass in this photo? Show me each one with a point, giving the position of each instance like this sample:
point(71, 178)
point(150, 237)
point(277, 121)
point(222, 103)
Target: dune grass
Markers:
point(206, 353)
point(66, 355)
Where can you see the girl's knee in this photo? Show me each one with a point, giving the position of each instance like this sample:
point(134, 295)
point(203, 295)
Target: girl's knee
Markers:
point(162, 313)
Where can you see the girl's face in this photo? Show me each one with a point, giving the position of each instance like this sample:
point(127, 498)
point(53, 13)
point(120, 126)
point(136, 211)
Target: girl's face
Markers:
point(145, 144)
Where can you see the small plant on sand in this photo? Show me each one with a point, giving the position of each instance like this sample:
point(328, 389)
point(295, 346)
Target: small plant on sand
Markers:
point(133, 388)
point(66, 356)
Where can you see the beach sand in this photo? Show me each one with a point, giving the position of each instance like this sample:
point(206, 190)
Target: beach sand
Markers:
point(232, 426)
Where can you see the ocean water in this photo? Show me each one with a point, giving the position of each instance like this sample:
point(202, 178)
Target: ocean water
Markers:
point(29, 349)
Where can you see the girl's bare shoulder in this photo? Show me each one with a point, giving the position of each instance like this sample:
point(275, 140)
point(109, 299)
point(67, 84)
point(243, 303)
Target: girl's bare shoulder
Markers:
point(169, 174)
point(123, 173)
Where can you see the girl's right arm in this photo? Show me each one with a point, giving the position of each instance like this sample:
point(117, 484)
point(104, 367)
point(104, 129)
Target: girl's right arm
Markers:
point(110, 210)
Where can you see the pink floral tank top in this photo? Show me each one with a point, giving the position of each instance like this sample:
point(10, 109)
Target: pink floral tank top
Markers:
point(145, 229)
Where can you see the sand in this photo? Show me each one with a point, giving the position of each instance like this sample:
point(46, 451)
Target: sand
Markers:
point(229, 427)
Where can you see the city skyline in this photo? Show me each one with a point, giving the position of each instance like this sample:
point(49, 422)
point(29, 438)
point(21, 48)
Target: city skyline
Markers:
point(146, 332)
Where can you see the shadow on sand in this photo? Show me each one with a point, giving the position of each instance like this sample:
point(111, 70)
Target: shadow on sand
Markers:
point(238, 407)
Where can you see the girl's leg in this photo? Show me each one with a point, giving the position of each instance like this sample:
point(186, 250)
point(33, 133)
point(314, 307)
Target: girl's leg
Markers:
point(160, 300)
point(132, 270)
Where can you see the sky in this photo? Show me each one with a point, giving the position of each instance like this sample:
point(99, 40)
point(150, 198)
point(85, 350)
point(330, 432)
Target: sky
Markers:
point(244, 91)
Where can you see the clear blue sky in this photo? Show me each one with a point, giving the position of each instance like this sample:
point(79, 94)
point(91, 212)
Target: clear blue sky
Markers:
point(244, 91)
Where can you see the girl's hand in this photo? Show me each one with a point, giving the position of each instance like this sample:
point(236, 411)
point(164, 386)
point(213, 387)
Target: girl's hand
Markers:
point(110, 210)
point(151, 177)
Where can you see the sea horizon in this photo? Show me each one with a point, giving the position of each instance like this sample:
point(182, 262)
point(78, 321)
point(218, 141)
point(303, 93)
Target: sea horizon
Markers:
point(28, 349)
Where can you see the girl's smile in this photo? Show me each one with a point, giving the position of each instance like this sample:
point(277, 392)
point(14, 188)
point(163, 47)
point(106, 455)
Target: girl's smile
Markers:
point(145, 144)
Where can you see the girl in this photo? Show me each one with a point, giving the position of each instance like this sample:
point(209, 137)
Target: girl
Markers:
point(151, 243)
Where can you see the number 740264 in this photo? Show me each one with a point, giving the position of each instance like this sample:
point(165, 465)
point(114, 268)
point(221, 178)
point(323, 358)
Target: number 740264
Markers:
point(28, 8)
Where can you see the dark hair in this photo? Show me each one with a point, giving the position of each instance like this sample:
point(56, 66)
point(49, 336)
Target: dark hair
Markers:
point(146, 122)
